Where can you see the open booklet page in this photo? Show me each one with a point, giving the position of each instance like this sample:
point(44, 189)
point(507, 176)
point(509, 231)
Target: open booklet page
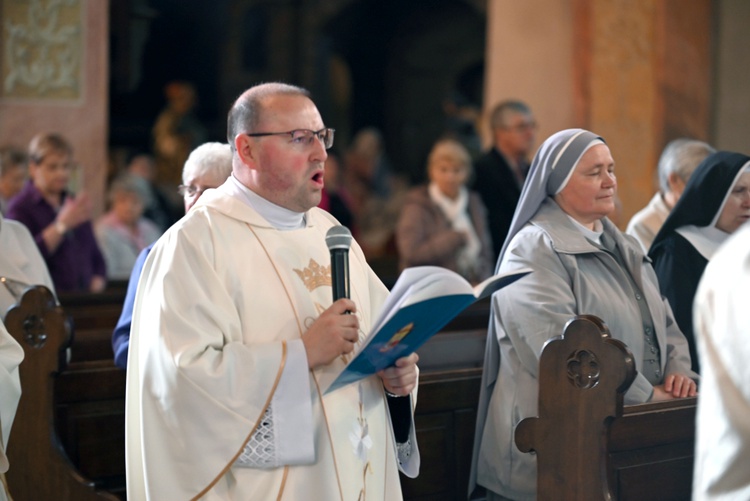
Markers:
point(423, 300)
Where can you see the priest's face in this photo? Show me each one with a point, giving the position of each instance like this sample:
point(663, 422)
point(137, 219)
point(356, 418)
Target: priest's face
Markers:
point(736, 210)
point(590, 192)
point(289, 172)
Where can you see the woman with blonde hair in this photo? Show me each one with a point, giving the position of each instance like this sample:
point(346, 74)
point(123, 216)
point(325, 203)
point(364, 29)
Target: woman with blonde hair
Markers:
point(443, 223)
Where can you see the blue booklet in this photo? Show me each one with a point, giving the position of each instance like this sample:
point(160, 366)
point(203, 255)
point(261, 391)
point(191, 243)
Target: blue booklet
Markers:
point(423, 300)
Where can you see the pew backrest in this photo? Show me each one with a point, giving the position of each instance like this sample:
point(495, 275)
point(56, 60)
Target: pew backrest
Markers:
point(587, 444)
point(39, 466)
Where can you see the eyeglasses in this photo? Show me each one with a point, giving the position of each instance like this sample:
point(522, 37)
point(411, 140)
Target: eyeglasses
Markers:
point(521, 127)
point(186, 190)
point(303, 136)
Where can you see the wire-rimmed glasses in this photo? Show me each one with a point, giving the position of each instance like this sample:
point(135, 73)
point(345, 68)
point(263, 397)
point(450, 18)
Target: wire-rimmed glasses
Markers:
point(303, 136)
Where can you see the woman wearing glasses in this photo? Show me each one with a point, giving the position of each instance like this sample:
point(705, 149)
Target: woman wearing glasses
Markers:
point(59, 222)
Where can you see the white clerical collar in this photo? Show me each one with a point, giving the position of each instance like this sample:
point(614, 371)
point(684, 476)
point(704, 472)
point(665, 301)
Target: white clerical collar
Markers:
point(706, 239)
point(280, 217)
point(594, 235)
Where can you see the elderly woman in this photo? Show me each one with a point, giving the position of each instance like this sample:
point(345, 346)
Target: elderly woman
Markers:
point(443, 223)
point(59, 221)
point(716, 201)
point(123, 232)
point(582, 264)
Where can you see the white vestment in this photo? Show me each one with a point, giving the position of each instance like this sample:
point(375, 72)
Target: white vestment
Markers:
point(216, 355)
point(722, 331)
point(11, 355)
point(21, 264)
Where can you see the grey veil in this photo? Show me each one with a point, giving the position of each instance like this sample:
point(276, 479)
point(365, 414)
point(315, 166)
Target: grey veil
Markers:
point(549, 173)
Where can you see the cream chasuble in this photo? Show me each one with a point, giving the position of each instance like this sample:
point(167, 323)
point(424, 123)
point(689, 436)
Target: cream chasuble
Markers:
point(222, 297)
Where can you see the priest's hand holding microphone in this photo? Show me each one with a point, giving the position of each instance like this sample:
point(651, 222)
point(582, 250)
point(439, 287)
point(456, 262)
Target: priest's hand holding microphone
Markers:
point(336, 330)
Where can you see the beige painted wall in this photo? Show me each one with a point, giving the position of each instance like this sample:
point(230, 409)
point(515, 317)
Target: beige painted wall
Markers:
point(529, 57)
point(732, 83)
point(623, 107)
point(83, 118)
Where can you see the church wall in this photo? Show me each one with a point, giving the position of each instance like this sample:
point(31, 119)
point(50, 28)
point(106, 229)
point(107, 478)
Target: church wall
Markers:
point(637, 72)
point(731, 125)
point(55, 79)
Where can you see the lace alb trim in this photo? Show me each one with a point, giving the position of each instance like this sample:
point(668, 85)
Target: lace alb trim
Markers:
point(260, 450)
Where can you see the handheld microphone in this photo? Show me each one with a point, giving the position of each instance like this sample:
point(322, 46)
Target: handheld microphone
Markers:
point(338, 240)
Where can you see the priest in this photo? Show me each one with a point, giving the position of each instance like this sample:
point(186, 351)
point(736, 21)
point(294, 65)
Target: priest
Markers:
point(236, 337)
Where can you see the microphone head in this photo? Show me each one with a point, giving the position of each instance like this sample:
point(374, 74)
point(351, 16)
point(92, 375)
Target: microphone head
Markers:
point(338, 237)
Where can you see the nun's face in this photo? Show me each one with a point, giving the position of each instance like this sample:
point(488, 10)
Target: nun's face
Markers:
point(737, 207)
point(591, 189)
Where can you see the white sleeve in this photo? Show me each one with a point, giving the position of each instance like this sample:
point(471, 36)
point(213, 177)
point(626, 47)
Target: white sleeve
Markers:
point(11, 355)
point(408, 454)
point(286, 434)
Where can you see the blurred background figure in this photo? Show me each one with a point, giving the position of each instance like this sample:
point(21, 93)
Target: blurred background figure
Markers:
point(676, 164)
point(501, 171)
point(59, 221)
point(375, 192)
point(334, 198)
point(716, 201)
point(13, 173)
point(461, 119)
point(159, 207)
point(123, 232)
point(177, 132)
point(722, 330)
point(442, 223)
point(208, 166)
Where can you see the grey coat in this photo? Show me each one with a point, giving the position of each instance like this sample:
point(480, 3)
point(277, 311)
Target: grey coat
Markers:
point(571, 276)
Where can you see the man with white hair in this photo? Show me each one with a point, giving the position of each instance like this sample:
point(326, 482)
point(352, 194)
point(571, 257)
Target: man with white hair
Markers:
point(676, 164)
point(207, 166)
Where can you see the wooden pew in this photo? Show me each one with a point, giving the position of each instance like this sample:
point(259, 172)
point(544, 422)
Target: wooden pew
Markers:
point(93, 317)
point(89, 396)
point(41, 467)
point(588, 445)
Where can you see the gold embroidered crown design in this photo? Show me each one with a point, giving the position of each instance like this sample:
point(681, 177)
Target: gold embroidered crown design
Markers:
point(314, 275)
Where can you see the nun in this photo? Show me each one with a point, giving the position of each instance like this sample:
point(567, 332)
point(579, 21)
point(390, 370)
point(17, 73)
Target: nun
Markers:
point(716, 202)
point(582, 264)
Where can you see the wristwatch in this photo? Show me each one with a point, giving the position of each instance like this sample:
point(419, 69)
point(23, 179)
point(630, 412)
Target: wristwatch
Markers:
point(60, 227)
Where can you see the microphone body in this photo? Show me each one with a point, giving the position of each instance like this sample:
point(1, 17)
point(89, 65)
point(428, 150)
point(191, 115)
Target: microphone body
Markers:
point(338, 240)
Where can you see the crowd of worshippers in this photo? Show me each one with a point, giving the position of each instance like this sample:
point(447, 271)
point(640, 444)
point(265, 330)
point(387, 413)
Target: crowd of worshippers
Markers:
point(513, 206)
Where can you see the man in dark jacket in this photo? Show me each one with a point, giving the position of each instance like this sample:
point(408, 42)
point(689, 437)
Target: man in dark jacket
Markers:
point(500, 172)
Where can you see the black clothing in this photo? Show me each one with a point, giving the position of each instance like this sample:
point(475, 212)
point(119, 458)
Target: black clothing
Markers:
point(496, 183)
point(679, 268)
